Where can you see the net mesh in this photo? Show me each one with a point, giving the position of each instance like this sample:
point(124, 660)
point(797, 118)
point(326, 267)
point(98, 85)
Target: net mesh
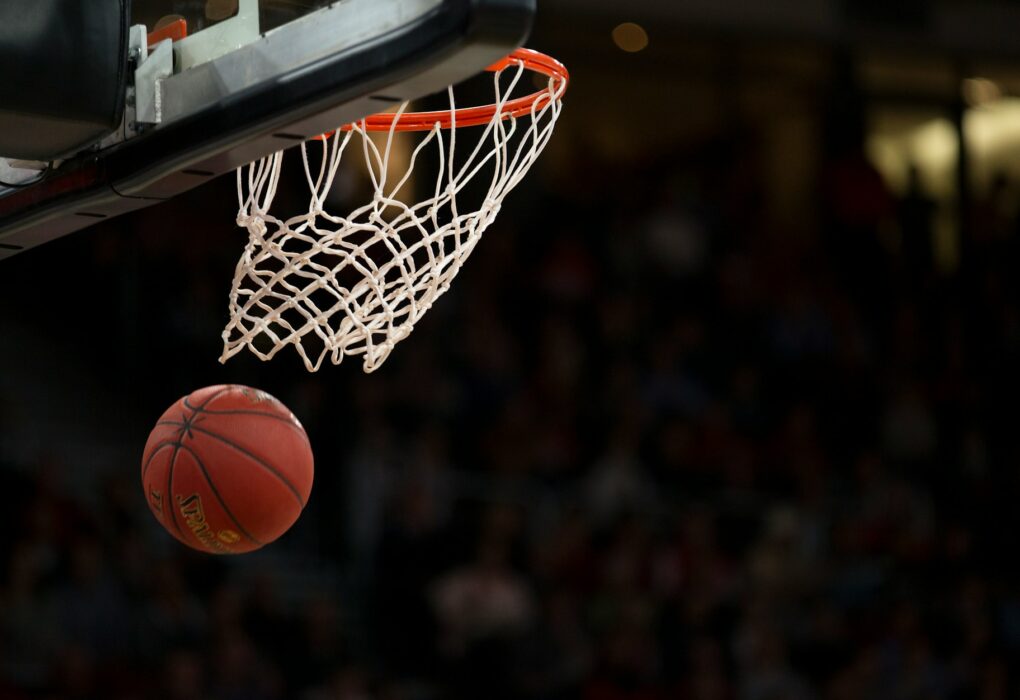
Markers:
point(333, 286)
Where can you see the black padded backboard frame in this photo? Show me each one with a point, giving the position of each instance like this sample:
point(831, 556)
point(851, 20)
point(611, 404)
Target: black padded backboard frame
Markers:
point(69, 85)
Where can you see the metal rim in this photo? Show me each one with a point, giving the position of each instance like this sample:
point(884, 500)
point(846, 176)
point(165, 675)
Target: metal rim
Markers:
point(477, 116)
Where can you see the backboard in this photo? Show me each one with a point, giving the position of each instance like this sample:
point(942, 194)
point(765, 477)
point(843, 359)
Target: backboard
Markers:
point(216, 84)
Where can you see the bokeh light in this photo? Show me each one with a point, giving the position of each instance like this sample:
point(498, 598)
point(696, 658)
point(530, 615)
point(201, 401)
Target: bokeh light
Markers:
point(630, 37)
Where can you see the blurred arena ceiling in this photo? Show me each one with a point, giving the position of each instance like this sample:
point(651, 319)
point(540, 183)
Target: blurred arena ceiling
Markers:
point(985, 27)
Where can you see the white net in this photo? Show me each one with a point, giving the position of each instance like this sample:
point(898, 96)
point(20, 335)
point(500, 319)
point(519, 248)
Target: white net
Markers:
point(333, 286)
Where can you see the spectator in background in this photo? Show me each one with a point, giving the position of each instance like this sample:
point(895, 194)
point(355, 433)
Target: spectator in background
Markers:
point(483, 611)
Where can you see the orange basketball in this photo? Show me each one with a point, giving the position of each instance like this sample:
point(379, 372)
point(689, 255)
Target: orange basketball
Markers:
point(227, 469)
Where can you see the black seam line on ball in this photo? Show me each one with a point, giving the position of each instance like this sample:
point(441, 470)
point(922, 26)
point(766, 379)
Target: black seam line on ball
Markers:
point(211, 411)
point(185, 430)
point(182, 424)
point(221, 392)
point(265, 465)
point(240, 412)
point(216, 493)
point(155, 451)
point(170, 490)
point(243, 412)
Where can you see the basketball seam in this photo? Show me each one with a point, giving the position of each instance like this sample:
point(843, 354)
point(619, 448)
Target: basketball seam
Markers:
point(152, 455)
point(170, 489)
point(240, 412)
point(265, 465)
point(291, 421)
point(216, 493)
point(221, 392)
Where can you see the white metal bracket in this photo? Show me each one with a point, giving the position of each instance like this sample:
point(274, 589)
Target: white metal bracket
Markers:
point(219, 39)
point(148, 79)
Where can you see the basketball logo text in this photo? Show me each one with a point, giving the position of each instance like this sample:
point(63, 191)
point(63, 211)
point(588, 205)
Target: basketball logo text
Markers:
point(228, 537)
point(156, 498)
point(194, 516)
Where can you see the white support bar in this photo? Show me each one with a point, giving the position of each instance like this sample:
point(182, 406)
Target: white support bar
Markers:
point(148, 83)
point(219, 39)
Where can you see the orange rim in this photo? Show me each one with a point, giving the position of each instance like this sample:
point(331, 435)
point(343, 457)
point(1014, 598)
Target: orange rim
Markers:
point(477, 116)
point(175, 30)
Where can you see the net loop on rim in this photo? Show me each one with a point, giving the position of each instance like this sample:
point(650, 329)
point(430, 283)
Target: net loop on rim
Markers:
point(333, 286)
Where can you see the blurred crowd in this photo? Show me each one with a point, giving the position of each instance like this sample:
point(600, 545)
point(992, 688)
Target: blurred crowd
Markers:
point(657, 443)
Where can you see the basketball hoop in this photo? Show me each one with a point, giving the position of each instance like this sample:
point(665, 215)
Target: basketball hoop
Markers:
point(333, 286)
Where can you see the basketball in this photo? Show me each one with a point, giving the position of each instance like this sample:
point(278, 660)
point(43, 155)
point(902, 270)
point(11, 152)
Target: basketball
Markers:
point(227, 469)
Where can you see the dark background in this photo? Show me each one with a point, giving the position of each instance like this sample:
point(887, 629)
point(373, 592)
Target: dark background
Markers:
point(722, 407)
